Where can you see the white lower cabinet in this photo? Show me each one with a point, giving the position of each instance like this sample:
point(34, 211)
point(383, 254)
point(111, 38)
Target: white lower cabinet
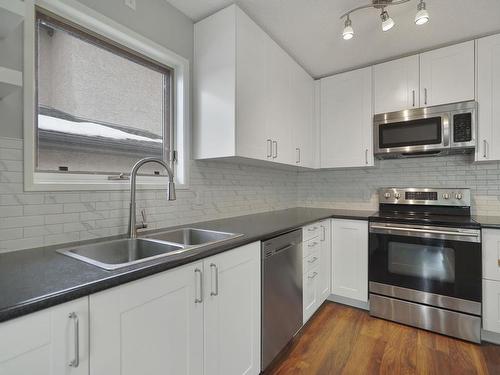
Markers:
point(49, 342)
point(350, 259)
point(316, 267)
point(491, 305)
point(232, 312)
point(491, 279)
point(200, 318)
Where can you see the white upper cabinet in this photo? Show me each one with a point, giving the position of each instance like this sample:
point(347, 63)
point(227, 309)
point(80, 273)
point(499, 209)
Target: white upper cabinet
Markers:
point(48, 342)
point(251, 99)
point(447, 75)
point(346, 120)
point(396, 85)
point(488, 97)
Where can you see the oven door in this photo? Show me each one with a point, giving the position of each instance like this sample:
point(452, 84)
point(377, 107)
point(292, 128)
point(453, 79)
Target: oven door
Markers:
point(412, 136)
point(435, 260)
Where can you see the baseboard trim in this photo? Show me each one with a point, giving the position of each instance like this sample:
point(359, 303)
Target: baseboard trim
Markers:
point(489, 336)
point(349, 302)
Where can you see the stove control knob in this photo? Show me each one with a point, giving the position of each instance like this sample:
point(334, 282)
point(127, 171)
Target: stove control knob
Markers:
point(387, 195)
point(446, 196)
point(458, 196)
point(397, 195)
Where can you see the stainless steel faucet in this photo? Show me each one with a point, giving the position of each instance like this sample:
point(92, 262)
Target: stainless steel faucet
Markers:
point(132, 226)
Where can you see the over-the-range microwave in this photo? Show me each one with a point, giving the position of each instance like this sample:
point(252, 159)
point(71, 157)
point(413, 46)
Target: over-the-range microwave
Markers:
point(437, 130)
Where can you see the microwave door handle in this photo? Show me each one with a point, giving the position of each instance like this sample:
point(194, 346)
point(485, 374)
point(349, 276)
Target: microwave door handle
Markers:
point(446, 130)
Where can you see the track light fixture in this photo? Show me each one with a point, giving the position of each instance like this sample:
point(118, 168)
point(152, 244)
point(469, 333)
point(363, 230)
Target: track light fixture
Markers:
point(387, 21)
point(348, 30)
point(421, 18)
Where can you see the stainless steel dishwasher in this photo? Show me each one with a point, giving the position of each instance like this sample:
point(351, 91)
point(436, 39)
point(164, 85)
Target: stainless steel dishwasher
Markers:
point(281, 293)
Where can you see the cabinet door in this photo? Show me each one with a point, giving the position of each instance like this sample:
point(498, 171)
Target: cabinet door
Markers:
point(488, 97)
point(491, 254)
point(232, 312)
point(310, 291)
point(396, 85)
point(325, 257)
point(279, 103)
point(346, 120)
point(302, 120)
point(44, 343)
point(350, 259)
point(447, 75)
point(150, 326)
point(491, 305)
point(251, 93)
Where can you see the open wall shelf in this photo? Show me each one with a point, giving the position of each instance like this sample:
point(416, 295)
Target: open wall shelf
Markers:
point(11, 15)
point(10, 80)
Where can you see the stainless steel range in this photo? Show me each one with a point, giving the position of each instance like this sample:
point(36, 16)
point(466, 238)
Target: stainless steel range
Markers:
point(425, 261)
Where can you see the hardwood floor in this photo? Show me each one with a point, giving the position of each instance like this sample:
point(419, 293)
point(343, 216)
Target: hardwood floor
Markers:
point(343, 340)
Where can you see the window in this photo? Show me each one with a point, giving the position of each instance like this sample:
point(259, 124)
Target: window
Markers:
point(99, 97)
point(100, 108)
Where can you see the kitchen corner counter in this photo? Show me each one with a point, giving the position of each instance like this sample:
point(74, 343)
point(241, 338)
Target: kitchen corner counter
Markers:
point(491, 222)
point(35, 279)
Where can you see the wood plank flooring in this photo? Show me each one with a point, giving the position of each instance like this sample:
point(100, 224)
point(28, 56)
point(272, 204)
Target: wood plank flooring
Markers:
point(343, 340)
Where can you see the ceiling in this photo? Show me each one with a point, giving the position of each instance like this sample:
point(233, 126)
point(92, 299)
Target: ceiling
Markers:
point(310, 30)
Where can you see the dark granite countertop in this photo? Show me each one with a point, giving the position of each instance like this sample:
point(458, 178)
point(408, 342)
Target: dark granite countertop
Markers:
point(31, 280)
point(488, 221)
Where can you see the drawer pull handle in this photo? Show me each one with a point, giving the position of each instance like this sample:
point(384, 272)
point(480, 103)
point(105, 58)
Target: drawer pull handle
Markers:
point(76, 326)
point(312, 229)
point(313, 275)
point(312, 244)
point(314, 259)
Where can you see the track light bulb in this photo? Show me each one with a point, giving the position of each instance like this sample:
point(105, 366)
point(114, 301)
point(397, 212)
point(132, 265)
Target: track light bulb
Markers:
point(422, 16)
point(387, 21)
point(348, 30)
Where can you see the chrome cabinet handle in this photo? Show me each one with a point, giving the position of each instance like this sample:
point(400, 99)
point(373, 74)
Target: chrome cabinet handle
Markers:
point(216, 269)
point(312, 229)
point(413, 96)
point(312, 244)
point(313, 275)
point(275, 146)
point(298, 155)
point(199, 300)
point(76, 327)
point(425, 96)
point(269, 148)
point(485, 148)
point(323, 237)
point(366, 156)
point(312, 260)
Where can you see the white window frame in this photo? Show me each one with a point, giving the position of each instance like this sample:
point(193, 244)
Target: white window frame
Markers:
point(87, 18)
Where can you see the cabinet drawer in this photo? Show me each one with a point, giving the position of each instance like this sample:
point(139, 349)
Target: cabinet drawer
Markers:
point(491, 254)
point(310, 246)
point(491, 305)
point(313, 260)
point(311, 231)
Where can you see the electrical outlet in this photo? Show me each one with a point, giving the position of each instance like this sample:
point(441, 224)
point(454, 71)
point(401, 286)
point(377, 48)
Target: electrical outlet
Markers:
point(130, 4)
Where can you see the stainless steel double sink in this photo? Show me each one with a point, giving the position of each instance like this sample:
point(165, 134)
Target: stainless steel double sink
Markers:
point(112, 255)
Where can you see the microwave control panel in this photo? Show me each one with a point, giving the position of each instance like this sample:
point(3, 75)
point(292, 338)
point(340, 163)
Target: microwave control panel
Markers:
point(462, 127)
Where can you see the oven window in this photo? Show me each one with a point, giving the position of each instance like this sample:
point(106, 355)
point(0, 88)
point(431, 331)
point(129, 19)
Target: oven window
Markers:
point(410, 133)
point(423, 261)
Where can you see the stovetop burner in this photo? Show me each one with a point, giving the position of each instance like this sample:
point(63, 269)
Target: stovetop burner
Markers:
point(425, 206)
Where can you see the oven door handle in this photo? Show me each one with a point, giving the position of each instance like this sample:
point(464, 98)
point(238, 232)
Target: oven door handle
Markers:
point(430, 231)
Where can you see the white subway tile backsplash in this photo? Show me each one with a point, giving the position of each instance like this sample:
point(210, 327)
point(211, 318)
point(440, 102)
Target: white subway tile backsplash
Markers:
point(220, 189)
